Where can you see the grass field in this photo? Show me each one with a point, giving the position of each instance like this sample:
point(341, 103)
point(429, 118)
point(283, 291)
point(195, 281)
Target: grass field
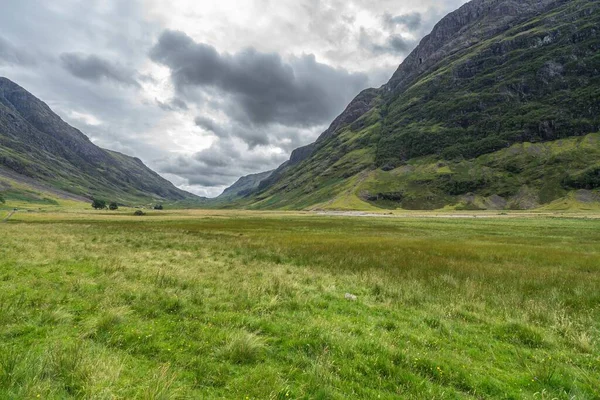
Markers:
point(241, 305)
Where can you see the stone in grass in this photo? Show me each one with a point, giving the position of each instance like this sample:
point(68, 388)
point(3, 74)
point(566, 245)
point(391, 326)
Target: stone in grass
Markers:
point(351, 297)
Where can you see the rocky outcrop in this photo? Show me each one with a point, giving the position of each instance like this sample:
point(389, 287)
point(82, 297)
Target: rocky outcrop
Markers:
point(473, 23)
point(361, 104)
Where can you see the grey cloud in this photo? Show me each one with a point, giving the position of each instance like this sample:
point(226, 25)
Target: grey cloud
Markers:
point(262, 87)
point(283, 137)
point(11, 55)
point(210, 125)
point(330, 20)
point(173, 105)
point(393, 44)
point(95, 69)
point(398, 44)
point(179, 104)
point(411, 21)
point(220, 165)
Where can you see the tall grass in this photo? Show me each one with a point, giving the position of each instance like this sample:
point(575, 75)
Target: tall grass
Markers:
point(253, 306)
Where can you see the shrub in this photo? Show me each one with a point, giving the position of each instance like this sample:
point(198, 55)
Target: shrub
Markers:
point(113, 206)
point(587, 179)
point(2, 201)
point(139, 213)
point(158, 207)
point(98, 204)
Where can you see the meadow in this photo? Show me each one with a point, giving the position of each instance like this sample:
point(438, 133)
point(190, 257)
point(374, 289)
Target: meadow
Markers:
point(249, 305)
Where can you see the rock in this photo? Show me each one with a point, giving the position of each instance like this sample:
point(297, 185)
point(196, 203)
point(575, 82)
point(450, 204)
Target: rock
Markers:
point(586, 196)
point(473, 23)
point(350, 297)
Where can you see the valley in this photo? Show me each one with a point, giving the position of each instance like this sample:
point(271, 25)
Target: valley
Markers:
point(438, 239)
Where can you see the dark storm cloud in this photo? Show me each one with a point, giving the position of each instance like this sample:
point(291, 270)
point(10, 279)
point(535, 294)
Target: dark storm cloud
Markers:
point(263, 86)
point(95, 69)
point(411, 21)
point(11, 55)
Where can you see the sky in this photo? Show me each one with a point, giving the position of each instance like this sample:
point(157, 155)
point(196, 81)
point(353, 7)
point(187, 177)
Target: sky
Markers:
point(205, 92)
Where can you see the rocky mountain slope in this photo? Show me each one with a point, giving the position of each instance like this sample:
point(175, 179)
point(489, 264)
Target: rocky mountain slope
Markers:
point(37, 145)
point(497, 108)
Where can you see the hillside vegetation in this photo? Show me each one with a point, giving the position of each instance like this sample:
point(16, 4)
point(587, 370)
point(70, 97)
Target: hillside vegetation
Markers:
point(497, 108)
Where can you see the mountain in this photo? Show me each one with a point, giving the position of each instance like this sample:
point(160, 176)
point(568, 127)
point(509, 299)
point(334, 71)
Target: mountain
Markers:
point(499, 107)
point(244, 186)
point(36, 145)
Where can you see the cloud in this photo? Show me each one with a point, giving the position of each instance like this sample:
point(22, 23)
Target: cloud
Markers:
point(87, 119)
point(221, 164)
point(277, 135)
point(392, 44)
point(210, 125)
point(93, 68)
point(11, 55)
point(173, 105)
point(262, 88)
point(411, 21)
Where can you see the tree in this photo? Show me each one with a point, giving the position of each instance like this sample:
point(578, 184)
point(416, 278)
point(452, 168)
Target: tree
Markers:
point(98, 204)
point(139, 213)
point(113, 206)
point(2, 201)
point(158, 207)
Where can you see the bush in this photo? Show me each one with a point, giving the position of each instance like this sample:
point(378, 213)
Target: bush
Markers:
point(158, 207)
point(588, 179)
point(98, 204)
point(139, 213)
point(113, 206)
point(2, 201)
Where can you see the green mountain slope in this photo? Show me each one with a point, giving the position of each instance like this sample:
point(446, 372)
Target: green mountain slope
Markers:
point(494, 109)
point(244, 186)
point(37, 145)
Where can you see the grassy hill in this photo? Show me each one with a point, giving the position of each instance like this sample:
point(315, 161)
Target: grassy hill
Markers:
point(37, 145)
point(496, 108)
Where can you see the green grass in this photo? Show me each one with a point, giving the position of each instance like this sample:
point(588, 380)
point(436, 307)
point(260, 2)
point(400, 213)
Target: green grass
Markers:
point(238, 305)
